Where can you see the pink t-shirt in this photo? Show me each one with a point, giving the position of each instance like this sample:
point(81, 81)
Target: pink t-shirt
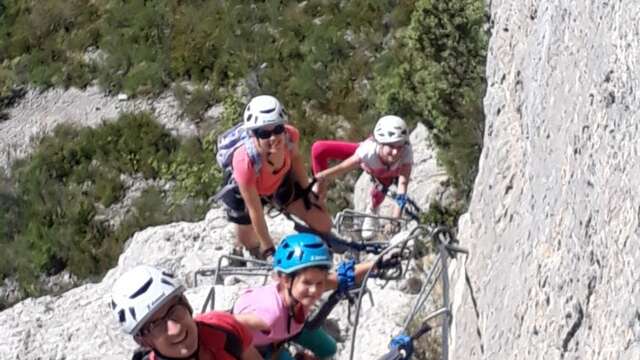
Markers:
point(266, 303)
point(370, 161)
point(266, 182)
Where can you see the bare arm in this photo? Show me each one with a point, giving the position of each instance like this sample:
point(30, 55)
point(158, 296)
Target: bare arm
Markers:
point(344, 167)
point(252, 321)
point(254, 207)
point(403, 185)
point(325, 177)
point(403, 180)
point(251, 354)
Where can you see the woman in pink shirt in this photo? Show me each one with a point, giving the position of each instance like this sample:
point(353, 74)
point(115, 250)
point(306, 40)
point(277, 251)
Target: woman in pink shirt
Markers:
point(387, 157)
point(268, 168)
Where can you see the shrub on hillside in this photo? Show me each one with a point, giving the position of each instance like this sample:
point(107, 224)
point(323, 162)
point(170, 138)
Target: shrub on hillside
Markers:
point(441, 215)
point(45, 41)
point(435, 74)
point(134, 37)
point(194, 102)
point(48, 213)
point(194, 168)
point(315, 56)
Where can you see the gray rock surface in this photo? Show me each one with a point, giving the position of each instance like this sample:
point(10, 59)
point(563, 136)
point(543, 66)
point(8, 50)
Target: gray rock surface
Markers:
point(10, 292)
point(38, 113)
point(553, 226)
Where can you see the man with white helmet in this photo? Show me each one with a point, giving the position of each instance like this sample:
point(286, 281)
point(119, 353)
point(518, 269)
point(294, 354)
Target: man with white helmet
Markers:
point(150, 305)
point(387, 156)
point(268, 168)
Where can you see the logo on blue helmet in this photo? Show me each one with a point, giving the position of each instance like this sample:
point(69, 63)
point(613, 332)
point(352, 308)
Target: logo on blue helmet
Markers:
point(299, 251)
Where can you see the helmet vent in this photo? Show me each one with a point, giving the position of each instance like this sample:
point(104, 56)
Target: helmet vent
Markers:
point(166, 282)
point(314, 245)
point(132, 311)
point(142, 289)
point(167, 274)
point(268, 111)
point(249, 117)
point(121, 317)
point(113, 305)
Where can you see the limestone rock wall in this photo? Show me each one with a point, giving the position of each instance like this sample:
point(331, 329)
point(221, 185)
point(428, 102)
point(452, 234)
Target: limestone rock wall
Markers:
point(553, 227)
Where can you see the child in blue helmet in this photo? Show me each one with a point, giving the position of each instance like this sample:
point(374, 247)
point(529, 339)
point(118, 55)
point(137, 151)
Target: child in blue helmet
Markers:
point(276, 313)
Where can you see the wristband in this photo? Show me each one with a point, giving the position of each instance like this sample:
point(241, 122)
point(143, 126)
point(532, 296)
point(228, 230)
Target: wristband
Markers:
point(402, 342)
point(401, 200)
point(346, 275)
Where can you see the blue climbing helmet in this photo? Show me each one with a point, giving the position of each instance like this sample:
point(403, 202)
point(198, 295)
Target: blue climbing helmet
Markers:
point(299, 251)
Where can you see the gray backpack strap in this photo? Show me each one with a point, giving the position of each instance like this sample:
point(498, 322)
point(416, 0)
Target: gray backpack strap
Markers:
point(229, 183)
point(252, 152)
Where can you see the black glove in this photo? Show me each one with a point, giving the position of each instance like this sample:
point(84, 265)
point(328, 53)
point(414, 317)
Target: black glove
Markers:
point(389, 261)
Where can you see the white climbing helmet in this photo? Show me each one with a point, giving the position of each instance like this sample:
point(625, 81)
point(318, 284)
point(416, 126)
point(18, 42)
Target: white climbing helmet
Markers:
point(390, 129)
point(263, 110)
point(138, 293)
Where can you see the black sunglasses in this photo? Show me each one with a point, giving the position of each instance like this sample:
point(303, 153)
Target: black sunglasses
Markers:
point(158, 327)
point(265, 134)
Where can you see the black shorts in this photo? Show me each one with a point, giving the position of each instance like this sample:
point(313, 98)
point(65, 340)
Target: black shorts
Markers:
point(236, 209)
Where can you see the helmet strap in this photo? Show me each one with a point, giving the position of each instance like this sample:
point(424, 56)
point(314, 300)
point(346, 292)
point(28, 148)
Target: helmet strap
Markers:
point(159, 355)
point(378, 150)
point(273, 171)
point(293, 305)
point(193, 356)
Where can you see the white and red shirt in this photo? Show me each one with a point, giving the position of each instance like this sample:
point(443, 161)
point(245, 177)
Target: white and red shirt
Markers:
point(370, 161)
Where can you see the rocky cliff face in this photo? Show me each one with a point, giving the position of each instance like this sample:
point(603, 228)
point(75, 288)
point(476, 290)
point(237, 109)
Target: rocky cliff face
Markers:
point(553, 227)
